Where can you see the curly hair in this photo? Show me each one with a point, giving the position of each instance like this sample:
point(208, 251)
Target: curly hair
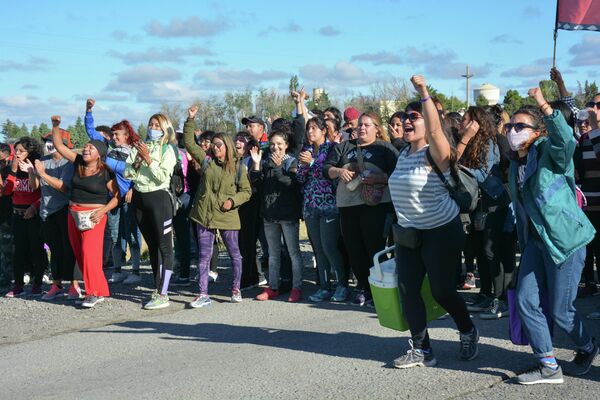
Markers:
point(32, 146)
point(475, 155)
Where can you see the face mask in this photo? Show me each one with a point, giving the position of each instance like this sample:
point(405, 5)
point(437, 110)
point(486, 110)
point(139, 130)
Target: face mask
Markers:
point(517, 139)
point(49, 148)
point(154, 134)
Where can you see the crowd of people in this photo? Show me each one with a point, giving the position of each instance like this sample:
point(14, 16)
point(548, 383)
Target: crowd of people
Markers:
point(359, 184)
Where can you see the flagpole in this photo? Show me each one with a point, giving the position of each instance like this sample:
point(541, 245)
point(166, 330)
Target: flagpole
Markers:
point(555, 35)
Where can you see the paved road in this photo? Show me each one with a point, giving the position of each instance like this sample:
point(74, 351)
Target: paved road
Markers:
point(272, 350)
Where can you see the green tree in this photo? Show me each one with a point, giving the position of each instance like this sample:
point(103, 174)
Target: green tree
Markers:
point(142, 131)
point(294, 83)
point(44, 129)
point(549, 90)
point(320, 103)
point(237, 105)
point(35, 133)
point(79, 136)
point(512, 101)
point(585, 93)
point(269, 103)
point(10, 129)
point(481, 101)
point(23, 130)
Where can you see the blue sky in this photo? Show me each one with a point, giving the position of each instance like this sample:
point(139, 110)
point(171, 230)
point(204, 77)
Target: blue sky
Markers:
point(133, 55)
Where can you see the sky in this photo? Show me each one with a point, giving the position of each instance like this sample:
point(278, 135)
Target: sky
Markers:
point(132, 56)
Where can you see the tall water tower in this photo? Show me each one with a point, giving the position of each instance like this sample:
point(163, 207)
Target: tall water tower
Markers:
point(488, 91)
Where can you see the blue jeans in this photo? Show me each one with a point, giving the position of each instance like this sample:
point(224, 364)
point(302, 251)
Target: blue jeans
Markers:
point(291, 234)
point(124, 231)
point(324, 233)
point(538, 273)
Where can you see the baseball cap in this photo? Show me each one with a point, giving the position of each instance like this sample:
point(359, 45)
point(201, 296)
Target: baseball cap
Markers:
point(251, 119)
point(351, 114)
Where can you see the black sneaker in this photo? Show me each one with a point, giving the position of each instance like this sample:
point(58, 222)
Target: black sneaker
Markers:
point(415, 358)
point(497, 310)
point(469, 345)
point(582, 361)
point(541, 374)
point(483, 305)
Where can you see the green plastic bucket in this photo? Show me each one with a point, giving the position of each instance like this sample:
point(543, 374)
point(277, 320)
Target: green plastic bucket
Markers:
point(383, 280)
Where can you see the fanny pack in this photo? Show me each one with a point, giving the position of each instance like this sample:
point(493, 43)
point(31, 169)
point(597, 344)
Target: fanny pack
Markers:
point(83, 219)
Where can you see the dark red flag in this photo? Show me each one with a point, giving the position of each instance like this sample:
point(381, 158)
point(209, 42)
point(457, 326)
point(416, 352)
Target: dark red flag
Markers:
point(574, 15)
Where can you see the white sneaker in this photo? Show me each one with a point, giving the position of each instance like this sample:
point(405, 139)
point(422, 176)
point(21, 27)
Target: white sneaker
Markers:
point(26, 279)
point(212, 276)
point(132, 279)
point(117, 277)
point(262, 282)
point(236, 296)
point(46, 279)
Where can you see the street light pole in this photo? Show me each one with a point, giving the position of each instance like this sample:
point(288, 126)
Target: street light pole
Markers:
point(468, 75)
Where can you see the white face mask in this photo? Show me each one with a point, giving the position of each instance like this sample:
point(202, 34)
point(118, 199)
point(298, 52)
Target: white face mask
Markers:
point(154, 134)
point(517, 139)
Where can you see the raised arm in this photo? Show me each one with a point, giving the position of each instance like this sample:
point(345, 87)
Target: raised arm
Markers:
point(55, 183)
point(438, 142)
point(57, 140)
point(189, 127)
point(89, 122)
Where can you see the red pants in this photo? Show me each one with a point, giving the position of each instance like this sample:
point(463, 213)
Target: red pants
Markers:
point(87, 247)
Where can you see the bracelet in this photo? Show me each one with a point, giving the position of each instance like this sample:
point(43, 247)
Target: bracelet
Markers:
point(425, 99)
point(544, 105)
point(463, 143)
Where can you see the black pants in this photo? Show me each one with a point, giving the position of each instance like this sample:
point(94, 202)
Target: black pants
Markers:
point(437, 256)
point(362, 229)
point(494, 274)
point(181, 224)
point(247, 241)
point(56, 235)
point(154, 215)
point(29, 255)
point(592, 250)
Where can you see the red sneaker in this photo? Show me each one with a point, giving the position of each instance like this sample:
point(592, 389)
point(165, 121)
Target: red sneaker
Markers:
point(295, 295)
point(74, 293)
point(16, 291)
point(268, 294)
point(36, 290)
point(53, 293)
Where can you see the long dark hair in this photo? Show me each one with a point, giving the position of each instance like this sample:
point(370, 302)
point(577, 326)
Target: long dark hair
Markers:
point(475, 155)
point(34, 152)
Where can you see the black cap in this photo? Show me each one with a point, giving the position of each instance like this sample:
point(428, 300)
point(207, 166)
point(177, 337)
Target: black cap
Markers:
point(100, 146)
point(251, 119)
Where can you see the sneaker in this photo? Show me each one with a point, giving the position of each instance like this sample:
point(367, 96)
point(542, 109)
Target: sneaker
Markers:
point(497, 310)
point(74, 293)
point(16, 291)
point(267, 294)
point(201, 301)
point(53, 293)
point(593, 315)
point(415, 358)
point(212, 276)
point(157, 301)
point(363, 299)
point(181, 282)
point(483, 305)
point(91, 301)
point(295, 295)
point(542, 374)
point(26, 279)
point(262, 281)
point(469, 281)
point(132, 279)
point(236, 296)
point(117, 277)
point(341, 294)
point(583, 361)
point(469, 348)
point(36, 290)
point(320, 295)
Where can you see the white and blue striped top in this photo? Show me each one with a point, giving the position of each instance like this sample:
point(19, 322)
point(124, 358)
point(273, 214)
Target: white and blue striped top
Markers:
point(420, 198)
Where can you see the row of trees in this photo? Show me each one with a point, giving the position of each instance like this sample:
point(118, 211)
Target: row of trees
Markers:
point(224, 113)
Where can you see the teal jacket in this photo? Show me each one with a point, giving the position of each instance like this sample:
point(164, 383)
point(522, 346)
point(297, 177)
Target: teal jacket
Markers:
point(548, 193)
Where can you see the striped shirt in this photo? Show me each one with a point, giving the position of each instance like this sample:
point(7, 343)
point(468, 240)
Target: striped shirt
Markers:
point(420, 198)
point(590, 181)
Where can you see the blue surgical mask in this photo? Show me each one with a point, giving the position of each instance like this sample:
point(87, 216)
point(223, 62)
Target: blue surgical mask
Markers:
point(154, 134)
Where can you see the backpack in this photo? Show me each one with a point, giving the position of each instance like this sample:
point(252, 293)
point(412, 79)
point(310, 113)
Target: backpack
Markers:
point(176, 184)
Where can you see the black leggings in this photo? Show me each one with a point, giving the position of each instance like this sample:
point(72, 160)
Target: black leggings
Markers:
point(154, 215)
point(592, 250)
point(362, 229)
point(56, 235)
point(437, 256)
point(29, 255)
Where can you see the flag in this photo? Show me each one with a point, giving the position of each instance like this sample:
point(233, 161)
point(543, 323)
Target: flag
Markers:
point(574, 15)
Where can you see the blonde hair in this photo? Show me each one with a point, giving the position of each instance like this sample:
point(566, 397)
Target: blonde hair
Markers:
point(382, 133)
point(231, 157)
point(166, 127)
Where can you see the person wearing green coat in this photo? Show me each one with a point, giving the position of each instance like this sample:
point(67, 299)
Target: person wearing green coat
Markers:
point(553, 232)
point(223, 188)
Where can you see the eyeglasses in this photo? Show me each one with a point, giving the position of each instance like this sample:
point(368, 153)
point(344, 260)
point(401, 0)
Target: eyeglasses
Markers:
point(519, 126)
point(592, 104)
point(366, 125)
point(412, 116)
point(581, 122)
point(218, 145)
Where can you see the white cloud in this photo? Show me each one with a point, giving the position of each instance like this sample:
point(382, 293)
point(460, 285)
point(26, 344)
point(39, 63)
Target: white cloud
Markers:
point(338, 78)
point(32, 64)
point(539, 68)
point(586, 52)
point(291, 27)
point(237, 79)
point(191, 27)
point(172, 54)
point(381, 58)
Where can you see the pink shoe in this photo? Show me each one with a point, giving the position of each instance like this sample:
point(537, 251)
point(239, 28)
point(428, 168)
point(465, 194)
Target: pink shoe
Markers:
point(267, 294)
point(16, 291)
point(53, 293)
point(295, 295)
point(74, 293)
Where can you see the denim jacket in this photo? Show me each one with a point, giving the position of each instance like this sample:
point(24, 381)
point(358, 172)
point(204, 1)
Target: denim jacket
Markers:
point(546, 201)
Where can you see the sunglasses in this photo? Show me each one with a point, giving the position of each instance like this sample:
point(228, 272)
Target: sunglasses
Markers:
point(592, 104)
point(412, 117)
point(581, 122)
point(218, 145)
point(519, 126)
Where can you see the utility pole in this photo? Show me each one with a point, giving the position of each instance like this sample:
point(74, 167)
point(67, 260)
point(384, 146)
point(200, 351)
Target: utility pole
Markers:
point(468, 75)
